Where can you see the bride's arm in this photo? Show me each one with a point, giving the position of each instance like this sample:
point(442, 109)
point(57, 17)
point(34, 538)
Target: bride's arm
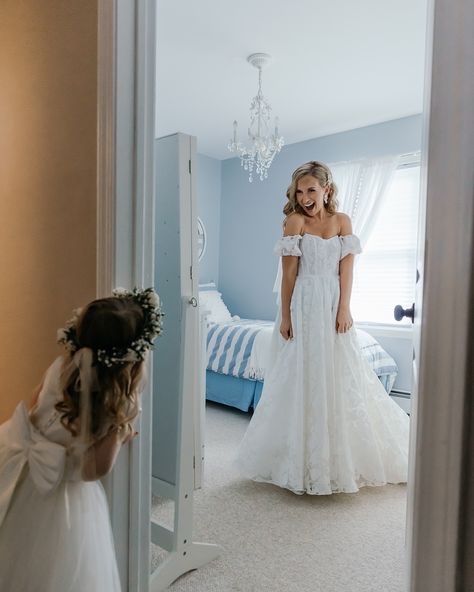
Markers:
point(344, 318)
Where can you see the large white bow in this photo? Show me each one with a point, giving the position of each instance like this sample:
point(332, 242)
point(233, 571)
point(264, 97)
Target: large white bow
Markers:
point(22, 444)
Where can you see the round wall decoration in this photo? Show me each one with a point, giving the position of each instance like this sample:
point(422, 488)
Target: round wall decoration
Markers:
point(201, 239)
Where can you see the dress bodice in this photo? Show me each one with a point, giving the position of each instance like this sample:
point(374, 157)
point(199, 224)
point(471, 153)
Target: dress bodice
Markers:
point(318, 256)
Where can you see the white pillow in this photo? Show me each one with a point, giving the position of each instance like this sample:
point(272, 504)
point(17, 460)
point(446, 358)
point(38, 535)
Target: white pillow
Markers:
point(211, 301)
point(365, 339)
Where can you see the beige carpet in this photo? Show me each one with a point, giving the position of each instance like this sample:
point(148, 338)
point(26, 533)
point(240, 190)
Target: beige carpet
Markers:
point(275, 541)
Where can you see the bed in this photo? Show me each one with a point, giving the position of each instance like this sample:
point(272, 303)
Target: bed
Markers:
point(237, 350)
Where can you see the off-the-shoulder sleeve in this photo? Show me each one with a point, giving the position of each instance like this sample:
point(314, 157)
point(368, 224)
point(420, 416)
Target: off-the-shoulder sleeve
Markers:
point(288, 245)
point(350, 245)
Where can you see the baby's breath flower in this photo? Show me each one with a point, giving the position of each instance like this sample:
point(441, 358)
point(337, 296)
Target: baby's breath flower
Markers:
point(149, 301)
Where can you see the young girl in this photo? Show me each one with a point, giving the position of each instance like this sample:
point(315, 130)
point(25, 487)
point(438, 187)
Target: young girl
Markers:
point(55, 533)
point(324, 423)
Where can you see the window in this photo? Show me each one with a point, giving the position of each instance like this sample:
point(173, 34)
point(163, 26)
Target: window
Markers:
point(384, 274)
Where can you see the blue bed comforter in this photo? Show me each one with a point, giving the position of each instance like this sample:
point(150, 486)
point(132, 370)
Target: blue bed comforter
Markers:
point(229, 351)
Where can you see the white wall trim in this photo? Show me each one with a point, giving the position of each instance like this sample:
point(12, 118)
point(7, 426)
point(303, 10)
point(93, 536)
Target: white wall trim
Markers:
point(409, 160)
point(116, 483)
point(125, 198)
point(394, 331)
point(143, 275)
point(106, 149)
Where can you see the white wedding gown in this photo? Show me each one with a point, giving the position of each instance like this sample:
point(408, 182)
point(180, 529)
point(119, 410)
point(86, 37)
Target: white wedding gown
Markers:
point(55, 533)
point(324, 423)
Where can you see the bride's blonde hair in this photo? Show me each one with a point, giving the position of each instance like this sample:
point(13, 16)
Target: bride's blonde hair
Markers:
point(323, 174)
point(103, 325)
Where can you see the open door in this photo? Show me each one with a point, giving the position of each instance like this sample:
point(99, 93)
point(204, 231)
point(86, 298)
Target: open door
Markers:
point(443, 303)
point(177, 384)
point(416, 315)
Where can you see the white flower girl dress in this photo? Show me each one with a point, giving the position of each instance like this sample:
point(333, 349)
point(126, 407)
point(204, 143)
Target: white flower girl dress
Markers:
point(324, 423)
point(55, 533)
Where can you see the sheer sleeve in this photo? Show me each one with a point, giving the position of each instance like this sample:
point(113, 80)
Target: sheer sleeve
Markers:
point(288, 246)
point(350, 245)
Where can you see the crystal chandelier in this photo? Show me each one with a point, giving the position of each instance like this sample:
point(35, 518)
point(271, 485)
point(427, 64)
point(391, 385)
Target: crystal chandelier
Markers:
point(264, 145)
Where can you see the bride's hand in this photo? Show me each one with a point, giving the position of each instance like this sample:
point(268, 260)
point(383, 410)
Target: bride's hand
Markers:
point(286, 329)
point(343, 320)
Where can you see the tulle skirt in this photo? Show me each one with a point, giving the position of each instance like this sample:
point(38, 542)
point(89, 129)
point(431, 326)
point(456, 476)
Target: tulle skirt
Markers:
point(59, 542)
point(324, 423)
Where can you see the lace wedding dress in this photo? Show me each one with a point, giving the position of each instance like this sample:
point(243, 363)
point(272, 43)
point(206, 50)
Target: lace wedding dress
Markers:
point(324, 423)
point(55, 533)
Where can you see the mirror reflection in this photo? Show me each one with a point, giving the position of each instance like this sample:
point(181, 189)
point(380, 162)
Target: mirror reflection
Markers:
point(307, 373)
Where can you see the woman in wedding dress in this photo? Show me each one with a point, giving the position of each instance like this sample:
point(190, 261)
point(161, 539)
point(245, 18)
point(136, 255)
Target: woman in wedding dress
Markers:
point(55, 533)
point(324, 423)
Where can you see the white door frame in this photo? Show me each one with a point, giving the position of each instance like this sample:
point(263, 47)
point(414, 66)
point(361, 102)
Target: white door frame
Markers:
point(448, 264)
point(125, 239)
point(125, 245)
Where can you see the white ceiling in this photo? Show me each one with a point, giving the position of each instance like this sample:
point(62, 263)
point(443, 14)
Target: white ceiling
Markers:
point(337, 65)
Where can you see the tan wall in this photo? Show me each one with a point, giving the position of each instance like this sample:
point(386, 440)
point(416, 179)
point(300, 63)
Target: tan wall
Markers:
point(48, 89)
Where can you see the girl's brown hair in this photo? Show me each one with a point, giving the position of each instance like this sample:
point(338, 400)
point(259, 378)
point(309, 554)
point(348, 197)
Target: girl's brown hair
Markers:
point(104, 324)
point(322, 173)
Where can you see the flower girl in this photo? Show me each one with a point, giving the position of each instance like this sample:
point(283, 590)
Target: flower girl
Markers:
point(55, 533)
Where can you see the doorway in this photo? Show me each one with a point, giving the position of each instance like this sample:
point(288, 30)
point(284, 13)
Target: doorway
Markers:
point(449, 27)
point(240, 259)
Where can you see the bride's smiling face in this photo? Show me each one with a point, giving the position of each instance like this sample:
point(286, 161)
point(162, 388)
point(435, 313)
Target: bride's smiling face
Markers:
point(310, 195)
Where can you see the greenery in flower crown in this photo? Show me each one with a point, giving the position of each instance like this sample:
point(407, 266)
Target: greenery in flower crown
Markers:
point(149, 301)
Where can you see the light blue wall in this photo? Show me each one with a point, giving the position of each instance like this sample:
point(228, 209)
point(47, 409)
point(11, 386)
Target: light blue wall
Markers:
point(166, 366)
point(209, 200)
point(251, 213)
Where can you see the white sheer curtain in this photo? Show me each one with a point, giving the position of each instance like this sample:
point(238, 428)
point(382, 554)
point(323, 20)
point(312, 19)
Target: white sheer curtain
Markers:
point(363, 186)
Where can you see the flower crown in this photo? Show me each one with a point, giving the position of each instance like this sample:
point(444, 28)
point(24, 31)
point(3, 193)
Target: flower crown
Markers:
point(149, 301)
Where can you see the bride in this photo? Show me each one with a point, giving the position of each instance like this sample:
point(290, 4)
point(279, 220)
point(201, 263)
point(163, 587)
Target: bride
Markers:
point(324, 423)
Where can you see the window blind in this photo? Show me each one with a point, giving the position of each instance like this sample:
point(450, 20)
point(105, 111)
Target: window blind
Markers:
point(384, 274)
